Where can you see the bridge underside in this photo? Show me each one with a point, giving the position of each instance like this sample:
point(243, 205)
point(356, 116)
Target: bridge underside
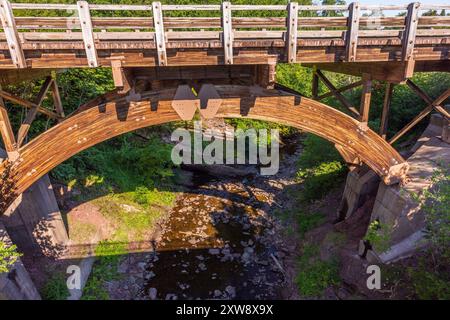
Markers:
point(115, 114)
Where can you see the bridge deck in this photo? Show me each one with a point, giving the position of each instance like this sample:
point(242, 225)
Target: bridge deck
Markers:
point(168, 35)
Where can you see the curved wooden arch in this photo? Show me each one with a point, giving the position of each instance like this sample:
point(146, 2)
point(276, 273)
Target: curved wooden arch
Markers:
point(106, 120)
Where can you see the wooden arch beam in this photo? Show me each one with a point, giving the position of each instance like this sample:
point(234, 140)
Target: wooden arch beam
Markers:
point(109, 119)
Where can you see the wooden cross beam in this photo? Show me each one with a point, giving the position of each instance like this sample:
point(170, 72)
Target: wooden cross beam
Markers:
point(420, 116)
point(340, 90)
point(27, 104)
point(122, 77)
point(31, 115)
point(426, 97)
point(336, 93)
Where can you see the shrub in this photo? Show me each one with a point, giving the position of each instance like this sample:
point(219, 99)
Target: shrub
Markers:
point(8, 256)
point(55, 288)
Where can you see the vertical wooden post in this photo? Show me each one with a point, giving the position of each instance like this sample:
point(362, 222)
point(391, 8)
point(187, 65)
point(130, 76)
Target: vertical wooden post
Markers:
point(88, 34)
point(366, 95)
point(409, 34)
point(6, 131)
point(315, 84)
point(11, 34)
point(386, 107)
point(352, 31)
point(291, 34)
point(57, 98)
point(227, 33)
point(160, 38)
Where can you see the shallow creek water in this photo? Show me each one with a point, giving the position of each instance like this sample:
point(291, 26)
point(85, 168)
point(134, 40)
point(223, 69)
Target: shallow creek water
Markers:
point(220, 241)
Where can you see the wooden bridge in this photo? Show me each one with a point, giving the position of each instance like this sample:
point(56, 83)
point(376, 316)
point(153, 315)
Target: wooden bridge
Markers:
point(228, 54)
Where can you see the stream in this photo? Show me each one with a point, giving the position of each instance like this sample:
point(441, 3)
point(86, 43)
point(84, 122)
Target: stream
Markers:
point(221, 240)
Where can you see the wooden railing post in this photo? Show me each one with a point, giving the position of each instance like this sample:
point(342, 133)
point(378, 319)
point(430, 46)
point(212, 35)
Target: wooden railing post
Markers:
point(409, 34)
point(366, 95)
point(160, 38)
point(291, 34)
point(11, 34)
point(227, 33)
point(88, 33)
point(351, 41)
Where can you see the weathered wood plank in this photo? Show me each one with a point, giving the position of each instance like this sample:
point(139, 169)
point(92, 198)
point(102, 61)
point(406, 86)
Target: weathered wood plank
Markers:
point(12, 36)
point(291, 35)
point(409, 36)
point(227, 33)
point(87, 31)
point(352, 31)
point(160, 38)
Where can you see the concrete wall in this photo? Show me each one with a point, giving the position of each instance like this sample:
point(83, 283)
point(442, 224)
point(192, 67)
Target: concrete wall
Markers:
point(34, 221)
point(16, 284)
point(395, 208)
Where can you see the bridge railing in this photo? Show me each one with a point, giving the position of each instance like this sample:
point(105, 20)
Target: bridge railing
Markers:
point(95, 27)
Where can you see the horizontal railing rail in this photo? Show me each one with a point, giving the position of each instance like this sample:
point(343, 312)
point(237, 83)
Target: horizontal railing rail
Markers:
point(286, 25)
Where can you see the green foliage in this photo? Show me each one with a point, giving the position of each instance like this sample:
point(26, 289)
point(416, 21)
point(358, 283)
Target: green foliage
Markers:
point(123, 164)
point(8, 256)
point(55, 288)
point(320, 168)
point(315, 275)
point(429, 285)
point(109, 254)
point(378, 235)
point(308, 221)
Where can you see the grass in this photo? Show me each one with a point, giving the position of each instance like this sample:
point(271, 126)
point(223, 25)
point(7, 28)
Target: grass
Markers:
point(315, 275)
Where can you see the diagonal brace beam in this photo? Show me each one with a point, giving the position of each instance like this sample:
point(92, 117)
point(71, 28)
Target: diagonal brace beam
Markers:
point(336, 93)
point(340, 90)
point(31, 115)
point(27, 104)
point(420, 116)
point(426, 97)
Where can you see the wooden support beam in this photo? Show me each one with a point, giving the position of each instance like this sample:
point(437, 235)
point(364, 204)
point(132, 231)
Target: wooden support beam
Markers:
point(420, 116)
point(227, 33)
point(315, 85)
point(88, 34)
point(291, 35)
point(121, 77)
point(336, 93)
point(426, 97)
point(351, 41)
point(342, 89)
point(57, 99)
point(11, 34)
point(31, 115)
point(386, 107)
point(27, 104)
point(366, 95)
point(409, 34)
point(6, 130)
point(160, 38)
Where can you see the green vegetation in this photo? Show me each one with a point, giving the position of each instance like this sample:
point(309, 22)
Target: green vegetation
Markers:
point(109, 254)
point(308, 221)
point(378, 235)
point(8, 256)
point(315, 275)
point(55, 288)
point(320, 168)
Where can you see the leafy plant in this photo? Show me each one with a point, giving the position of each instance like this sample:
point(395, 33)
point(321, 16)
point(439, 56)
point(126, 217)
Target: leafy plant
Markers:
point(8, 256)
point(55, 288)
point(378, 235)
